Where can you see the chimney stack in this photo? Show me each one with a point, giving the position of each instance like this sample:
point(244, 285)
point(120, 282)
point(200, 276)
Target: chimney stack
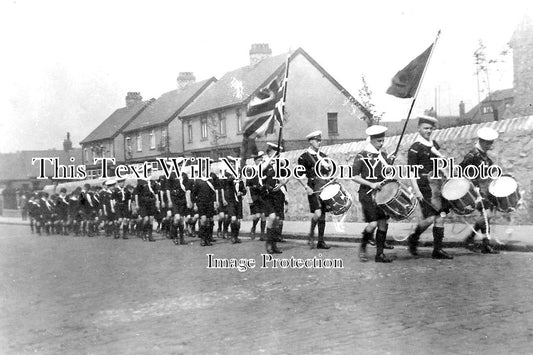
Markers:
point(258, 52)
point(185, 79)
point(461, 109)
point(132, 98)
point(67, 143)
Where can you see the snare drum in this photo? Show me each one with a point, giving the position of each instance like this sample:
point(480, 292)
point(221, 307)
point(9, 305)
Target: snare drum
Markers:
point(461, 194)
point(337, 200)
point(505, 191)
point(396, 200)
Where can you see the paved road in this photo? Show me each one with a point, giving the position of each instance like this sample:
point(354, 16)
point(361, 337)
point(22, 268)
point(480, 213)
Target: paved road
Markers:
point(99, 295)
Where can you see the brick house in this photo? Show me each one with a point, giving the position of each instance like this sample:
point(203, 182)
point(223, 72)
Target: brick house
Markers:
point(213, 123)
point(107, 140)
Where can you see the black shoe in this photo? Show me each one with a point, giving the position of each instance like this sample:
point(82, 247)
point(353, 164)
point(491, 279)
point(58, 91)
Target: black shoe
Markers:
point(382, 258)
point(151, 239)
point(322, 245)
point(388, 246)
point(487, 249)
point(275, 249)
point(440, 254)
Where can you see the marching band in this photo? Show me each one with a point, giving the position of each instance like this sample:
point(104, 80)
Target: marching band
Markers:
point(179, 202)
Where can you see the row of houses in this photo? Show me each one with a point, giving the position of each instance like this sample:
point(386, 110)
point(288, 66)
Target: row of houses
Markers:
point(205, 118)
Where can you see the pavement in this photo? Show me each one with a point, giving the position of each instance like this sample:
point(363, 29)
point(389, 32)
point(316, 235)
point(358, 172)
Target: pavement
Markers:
point(509, 238)
point(79, 295)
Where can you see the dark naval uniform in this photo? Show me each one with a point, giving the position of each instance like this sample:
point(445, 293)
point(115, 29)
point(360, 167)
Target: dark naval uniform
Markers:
point(308, 159)
point(433, 204)
point(371, 211)
point(204, 195)
point(476, 157)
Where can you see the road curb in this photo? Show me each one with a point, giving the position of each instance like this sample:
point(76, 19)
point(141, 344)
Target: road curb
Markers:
point(425, 244)
point(517, 247)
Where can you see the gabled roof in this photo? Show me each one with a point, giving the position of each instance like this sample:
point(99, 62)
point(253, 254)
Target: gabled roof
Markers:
point(497, 97)
point(237, 86)
point(168, 106)
point(114, 124)
point(18, 166)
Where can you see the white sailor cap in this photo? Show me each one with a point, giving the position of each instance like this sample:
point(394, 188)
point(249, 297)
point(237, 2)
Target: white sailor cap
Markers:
point(274, 146)
point(259, 154)
point(110, 182)
point(427, 119)
point(487, 134)
point(376, 131)
point(314, 135)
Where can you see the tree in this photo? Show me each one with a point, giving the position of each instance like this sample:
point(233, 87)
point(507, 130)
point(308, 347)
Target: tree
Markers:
point(483, 64)
point(365, 98)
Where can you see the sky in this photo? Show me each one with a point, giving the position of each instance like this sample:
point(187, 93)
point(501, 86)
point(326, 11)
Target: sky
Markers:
point(67, 65)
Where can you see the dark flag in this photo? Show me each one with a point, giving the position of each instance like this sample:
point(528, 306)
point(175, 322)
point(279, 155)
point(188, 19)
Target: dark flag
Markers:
point(406, 81)
point(264, 109)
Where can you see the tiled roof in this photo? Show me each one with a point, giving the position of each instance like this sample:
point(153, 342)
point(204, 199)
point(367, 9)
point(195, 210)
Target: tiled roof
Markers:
point(498, 97)
point(18, 166)
point(168, 106)
point(236, 86)
point(116, 122)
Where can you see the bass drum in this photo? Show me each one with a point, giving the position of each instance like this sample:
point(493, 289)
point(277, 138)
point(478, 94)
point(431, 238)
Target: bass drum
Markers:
point(461, 194)
point(505, 191)
point(336, 198)
point(396, 200)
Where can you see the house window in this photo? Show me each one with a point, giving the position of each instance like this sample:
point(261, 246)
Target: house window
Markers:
point(486, 109)
point(85, 155)
point(155, 166)
point(222, 124)
point(239, 120)
point(139, 142)
point(128, 145)
point(189, 130)
point(152, 139)
point(203, 124)
point(332, 123)
point(164, 137)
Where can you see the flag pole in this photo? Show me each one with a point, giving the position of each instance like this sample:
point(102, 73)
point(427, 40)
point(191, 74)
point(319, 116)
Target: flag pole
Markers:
point(415, 96)
point(285, 82)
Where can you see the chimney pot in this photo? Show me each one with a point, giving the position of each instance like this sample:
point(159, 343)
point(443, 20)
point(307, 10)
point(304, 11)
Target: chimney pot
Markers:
point(67, 143)
point(185, 78)
point(258, 52)
point(461, 109)
point(132, 98)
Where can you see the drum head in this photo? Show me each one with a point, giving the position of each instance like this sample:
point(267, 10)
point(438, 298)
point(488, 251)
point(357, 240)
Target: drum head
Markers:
point(503, 186)
point(330, 191)
point(388, 191)
point(454, 189)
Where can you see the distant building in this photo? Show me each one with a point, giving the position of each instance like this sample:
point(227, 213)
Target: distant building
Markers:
point(18, 174)
point(213, 123)
point(494, 107)
point(107, 140)
point(157, 131)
